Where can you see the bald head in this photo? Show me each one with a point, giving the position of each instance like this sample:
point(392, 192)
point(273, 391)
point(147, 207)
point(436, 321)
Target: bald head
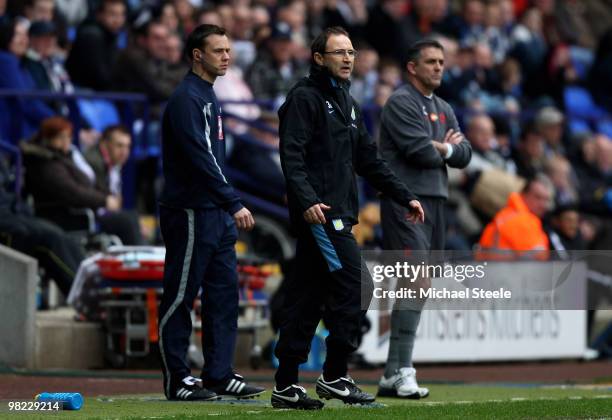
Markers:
point(481, 132)
point(603, 152)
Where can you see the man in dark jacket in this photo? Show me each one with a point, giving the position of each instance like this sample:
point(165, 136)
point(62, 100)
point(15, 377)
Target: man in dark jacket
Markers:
point(199, 212)
point(108, 157)
point(419, 136)
point(323, 142)
point(275, 70)
point(58, 253)
point(94, 51)
point(58, 185)
point(142, 67)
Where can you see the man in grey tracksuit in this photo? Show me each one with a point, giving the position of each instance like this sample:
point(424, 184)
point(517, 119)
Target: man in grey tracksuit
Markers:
point(419, 137)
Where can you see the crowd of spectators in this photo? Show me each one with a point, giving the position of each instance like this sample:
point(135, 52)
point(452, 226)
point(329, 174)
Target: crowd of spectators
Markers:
point(508, 67)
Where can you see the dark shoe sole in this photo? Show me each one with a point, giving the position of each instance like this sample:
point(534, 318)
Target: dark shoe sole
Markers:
point(215, 398)
point(281, 404)
point(243, 397)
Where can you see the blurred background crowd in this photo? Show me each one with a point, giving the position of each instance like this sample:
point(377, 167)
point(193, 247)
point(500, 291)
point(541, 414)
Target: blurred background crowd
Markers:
point(528, 79)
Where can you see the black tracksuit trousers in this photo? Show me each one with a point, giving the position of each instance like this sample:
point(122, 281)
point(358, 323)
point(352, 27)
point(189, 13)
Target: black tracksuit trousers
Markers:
point(327, 284)
point(199, 254)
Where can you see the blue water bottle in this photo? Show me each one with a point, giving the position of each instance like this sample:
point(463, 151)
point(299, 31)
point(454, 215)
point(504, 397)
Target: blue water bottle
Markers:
point(69, 400)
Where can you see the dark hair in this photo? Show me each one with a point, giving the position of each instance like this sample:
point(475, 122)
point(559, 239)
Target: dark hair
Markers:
point(320, 42)
point(562, 208)
point(604, 45)
point(502, 126)
point(144, 30)
point(103, 3)
point(197, 38)
point(414, 52)
point(7, 32)
point(529, 127)
point(108, 131)
point(204, 10)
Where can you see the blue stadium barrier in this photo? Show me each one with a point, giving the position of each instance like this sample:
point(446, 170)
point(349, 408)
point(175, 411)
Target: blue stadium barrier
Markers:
point(254, 198)
point(251, 123)
point(256, 203)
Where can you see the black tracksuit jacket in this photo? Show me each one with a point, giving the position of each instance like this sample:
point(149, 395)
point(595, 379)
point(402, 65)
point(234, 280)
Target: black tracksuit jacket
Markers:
point(323, 143)
point(193, 146)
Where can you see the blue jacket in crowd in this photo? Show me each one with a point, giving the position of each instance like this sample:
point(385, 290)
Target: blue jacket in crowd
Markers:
point(19, 117)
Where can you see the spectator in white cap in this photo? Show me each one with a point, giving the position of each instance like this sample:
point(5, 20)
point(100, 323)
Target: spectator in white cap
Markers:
point(549, 122)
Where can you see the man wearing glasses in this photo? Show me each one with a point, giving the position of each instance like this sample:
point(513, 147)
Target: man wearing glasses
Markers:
point(323, 143)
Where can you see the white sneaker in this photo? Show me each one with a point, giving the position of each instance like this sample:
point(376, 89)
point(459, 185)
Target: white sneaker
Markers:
point(590, 354)
point(402, 384)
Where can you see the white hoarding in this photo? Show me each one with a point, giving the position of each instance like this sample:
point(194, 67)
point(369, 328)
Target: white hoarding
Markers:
point(484, 335)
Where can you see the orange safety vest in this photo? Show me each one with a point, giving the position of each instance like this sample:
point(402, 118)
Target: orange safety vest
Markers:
point(515, 232)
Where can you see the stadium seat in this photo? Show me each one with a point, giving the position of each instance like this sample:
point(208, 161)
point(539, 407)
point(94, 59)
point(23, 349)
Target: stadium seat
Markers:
point(580, 104)
point(71, 32)
point(99, 113)
point(578, 126)
point(605, 127)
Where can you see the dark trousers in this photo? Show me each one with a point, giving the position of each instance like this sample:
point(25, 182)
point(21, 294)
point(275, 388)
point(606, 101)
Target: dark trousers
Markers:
point(199, 253)
point(124, 224)
point(327, 284)
point(400, 234)
point(56, 252)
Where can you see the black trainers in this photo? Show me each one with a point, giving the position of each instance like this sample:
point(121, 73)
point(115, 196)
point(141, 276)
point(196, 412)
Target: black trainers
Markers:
point(237, 387)
point(343, 389)
point(190, 389)
point(294, 396)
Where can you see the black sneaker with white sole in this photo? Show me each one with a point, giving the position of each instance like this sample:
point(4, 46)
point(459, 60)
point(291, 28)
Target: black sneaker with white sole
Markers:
point(343, 389)
point(294, 396)
point(236, 387)
point(190, 389)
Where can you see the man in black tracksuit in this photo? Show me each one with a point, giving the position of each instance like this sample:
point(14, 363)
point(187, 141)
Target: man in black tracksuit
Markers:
point(419, 137)
point(323, 142)
point(199, 212)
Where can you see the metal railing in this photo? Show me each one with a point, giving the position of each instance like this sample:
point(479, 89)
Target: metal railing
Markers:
point(126, 104)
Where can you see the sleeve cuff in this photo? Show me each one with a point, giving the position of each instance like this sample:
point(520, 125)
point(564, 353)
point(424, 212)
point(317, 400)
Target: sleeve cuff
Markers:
point(449, 151)
point(235, 207)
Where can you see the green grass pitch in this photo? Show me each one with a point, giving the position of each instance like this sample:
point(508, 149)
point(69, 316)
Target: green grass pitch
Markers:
point(446, 401)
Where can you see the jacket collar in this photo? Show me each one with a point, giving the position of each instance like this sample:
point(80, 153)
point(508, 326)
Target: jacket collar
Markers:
point(517, 203)
point(411, 87)
point(198, 80)
point(34, 149)
point(321, 76)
